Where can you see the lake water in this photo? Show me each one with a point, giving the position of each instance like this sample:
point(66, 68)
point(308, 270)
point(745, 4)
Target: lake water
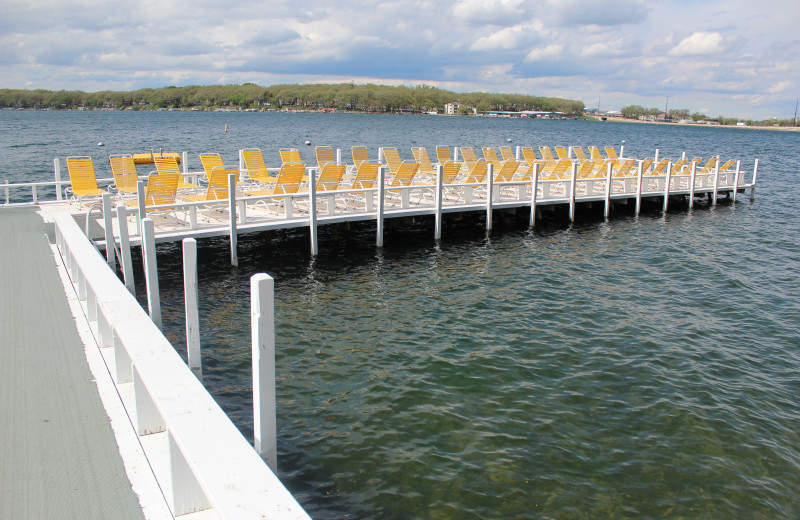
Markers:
point(636, 367)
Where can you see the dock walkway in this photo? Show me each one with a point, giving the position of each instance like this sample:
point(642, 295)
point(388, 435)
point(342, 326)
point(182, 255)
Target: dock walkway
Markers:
point(58, 454)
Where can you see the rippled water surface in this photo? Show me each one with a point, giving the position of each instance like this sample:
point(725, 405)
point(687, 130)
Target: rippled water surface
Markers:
point(631, 368)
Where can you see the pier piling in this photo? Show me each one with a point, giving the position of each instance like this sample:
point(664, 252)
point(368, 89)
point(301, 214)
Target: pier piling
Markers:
point(262, 322)
point(191, 306)
point(151, 270)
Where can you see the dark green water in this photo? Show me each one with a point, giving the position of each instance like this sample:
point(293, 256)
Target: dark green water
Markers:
point(636, 368)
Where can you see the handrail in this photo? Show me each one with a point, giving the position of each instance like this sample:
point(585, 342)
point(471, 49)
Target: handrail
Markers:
point(211, 466)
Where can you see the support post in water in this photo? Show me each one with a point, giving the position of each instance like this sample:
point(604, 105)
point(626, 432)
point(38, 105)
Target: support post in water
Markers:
point(125, 248)
point(234, 237)
point(692, 177)
point(666, 186)
point(607, 206)
point(151, 270)
point(108, 219)
point(489, 194)
point(381, 178)
point(534, 185)
point(574, 177)
point(141, 199)
point(191, 306)
point(437, 228)
point(753, 186)
point(262, 322)
point(312, 209)
point(736, 180)
point(639, 179)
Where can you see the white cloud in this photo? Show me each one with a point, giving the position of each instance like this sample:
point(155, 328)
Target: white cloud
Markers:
point(510, 38)
point(699, 44)
point(547, 52)
point(479, 12)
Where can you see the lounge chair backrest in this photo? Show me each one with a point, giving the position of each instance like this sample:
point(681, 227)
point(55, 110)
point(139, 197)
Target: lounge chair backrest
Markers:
point(586, 170)
point(478, 172)
point(218, 182)
point(290, 155)
point(324, 155)
point(366, 175)
point(360, 154)
point(611, 153)
point(623, 168)
point(595, 153)
point(392, 158)
point(161, 188)
point(579, 153)
point(659, 168)
point(330, 176)
point(209, 162)
point(646, 164)
point(124, 170)
point(81, 173)
point(727, 166)
point(529, 155)
point(468, 154)
point(450, 171)
point(254, 164)
point(506, 171)
point(405, 173)
point(560, 169)
point(547, 154)
point(561, 152)
point(289, 178)
point(443, 154)
point(507, 154)
point(421, 156)
point(490, 154)
point(166, 164)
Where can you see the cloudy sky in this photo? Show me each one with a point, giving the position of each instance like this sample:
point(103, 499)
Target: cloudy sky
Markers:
point(737, 58)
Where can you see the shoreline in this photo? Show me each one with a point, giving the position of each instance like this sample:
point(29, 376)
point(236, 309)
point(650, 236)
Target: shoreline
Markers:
point(704, 125)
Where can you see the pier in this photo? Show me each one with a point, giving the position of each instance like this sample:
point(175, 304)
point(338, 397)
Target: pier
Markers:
point(170, 417)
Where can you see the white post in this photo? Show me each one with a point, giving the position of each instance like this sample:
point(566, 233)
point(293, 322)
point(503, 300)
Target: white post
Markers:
point(716, 183)
point(736, 180)
point(609, 178)
point(666, 186)
point(262, 323)
point(622, 149)
point(57, 169)
point(125, 248)
point(569, 152)
point(489, 194)
point(691, 182)
point(108, 221)
point(338, 155)
point(683, 156)
point(380, 155)
point(234, 237)
point(456, 151)
point(151, 270)
point(437, 227)
point(753, 186)
point(185, 162)
point(517, 153)
point(534, 185)
point(639, 180)
point(381, 177)
point(241, 165)
point(312, 209)
point(572, 192)
point(141, 202)
point(8, 193)
point(191, 305)
point(655, 160)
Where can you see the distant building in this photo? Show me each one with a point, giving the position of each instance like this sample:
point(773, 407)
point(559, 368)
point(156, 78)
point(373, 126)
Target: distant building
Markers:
point(450, 108)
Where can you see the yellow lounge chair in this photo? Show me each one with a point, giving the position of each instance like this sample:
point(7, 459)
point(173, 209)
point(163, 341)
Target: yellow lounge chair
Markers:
point(506, 171)
point(611, 153)
point(507, 154)
point(405, 174)
point(324, 155)
point(162, 188)
point(288, 181)
point(477, 174)
point(169, 164)
point(254, 164)
point(125, 177)
point(469, 157)
point(547, 154)
point(360, 154)
point(366, 175)
point(83, 182)
point(211, 161)
point(289, 155)
point(421, 156)
point(330, 177)
point(561, 152)
point(217, 191)
point(595, 153)
point(490, 154)
point(392, 158)
point(443, 154)
point(580, 154)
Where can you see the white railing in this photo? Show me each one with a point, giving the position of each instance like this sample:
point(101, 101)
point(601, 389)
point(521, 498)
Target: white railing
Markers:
point(199, 458)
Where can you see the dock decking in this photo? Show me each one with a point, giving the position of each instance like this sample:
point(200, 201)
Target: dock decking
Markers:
point(58, 454)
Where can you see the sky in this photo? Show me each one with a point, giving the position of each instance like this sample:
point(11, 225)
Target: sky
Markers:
point(734, 58)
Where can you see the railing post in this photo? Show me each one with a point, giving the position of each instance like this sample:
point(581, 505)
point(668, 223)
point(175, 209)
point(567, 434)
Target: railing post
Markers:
point(534, 186)
point(655, 160)
point(489, 194)
point(191, 306)
point(141, 202)
point(517, 152)
point(609, 180)
point(125, 248)
point(736, 180)
point(437, 227)
point(108, 220)
point(151, 270)
point(185, 162)
point(716, 183)
point(691, 182)
point(666, 186)
point(622, 149)
point(262, 314)
point(639, 180)
point(8, 193)
point(381, 177)
point(574, 176)
point(234, 237)
point(57, 169)
point(338, 155)
point(569, 152)
point(312, 209)
point(753, 186)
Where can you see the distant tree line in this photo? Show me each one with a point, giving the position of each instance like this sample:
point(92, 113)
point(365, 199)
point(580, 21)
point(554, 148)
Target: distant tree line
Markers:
point(678, 114)
point(343, 96)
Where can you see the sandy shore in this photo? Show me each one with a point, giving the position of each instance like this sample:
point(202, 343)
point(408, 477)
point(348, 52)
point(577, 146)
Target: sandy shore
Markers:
point(776, 128)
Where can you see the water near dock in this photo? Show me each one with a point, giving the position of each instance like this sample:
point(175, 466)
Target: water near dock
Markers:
point(641, 367)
